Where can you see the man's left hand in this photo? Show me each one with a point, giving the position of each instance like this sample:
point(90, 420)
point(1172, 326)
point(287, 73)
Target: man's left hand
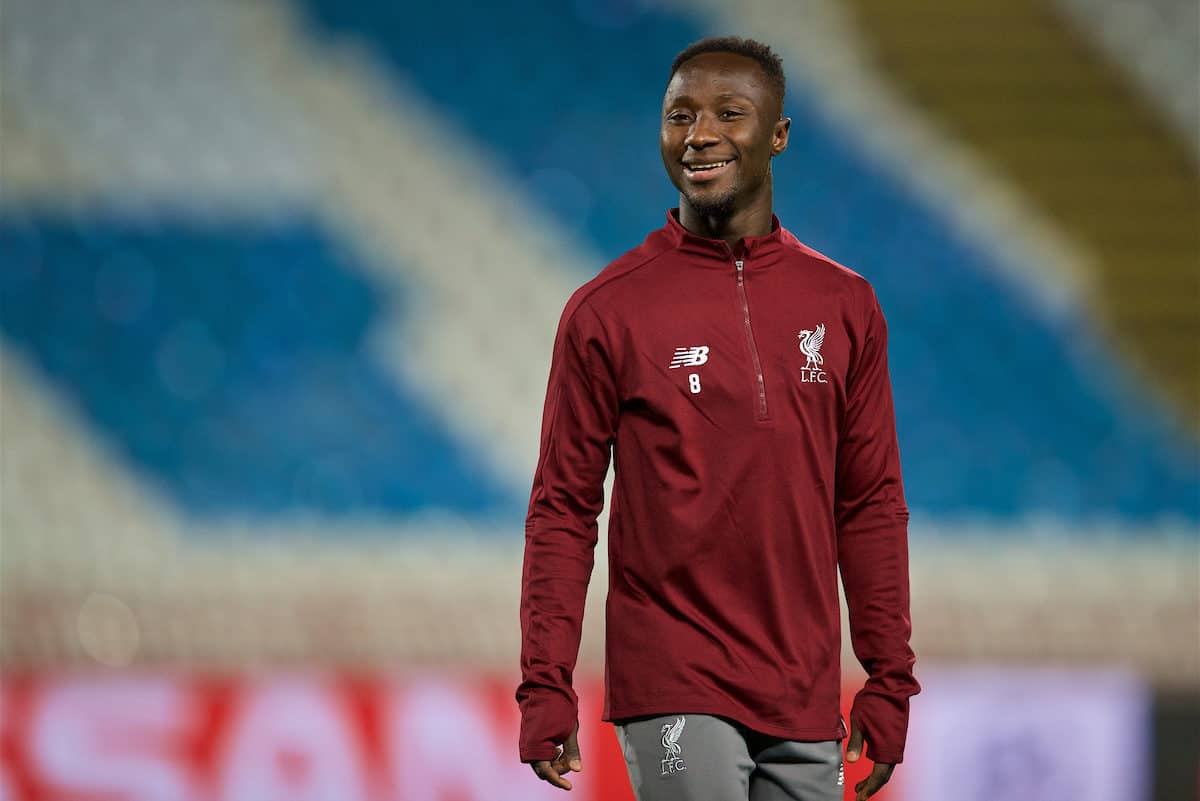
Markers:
point(880, 773)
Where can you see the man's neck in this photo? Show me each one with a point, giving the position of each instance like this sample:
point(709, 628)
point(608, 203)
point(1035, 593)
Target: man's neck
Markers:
point(753, 220)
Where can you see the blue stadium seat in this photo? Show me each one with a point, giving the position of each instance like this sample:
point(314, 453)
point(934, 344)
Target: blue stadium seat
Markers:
point(227, 363)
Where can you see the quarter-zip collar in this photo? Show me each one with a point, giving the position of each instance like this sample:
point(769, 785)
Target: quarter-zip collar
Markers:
point(752, 249)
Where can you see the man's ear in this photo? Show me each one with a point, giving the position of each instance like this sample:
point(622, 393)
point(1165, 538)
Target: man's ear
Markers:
point(779, 137)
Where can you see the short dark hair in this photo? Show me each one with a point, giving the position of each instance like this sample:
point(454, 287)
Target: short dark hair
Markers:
point(772, 64)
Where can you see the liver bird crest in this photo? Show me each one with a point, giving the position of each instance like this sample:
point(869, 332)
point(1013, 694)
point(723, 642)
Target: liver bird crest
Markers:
point(670, 738)
point(810, 346)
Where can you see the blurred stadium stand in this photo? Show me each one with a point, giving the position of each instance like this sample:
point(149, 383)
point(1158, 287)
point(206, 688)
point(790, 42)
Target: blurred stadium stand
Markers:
point(1083, 145)
point(255, 336)
point(1155, 43)
point(278, 284)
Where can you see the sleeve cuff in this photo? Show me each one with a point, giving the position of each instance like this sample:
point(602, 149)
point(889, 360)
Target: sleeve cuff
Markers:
point(547, 718)
point(884, 722)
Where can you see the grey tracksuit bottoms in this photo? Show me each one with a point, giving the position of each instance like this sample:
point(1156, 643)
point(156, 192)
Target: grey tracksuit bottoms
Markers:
point(707, 758)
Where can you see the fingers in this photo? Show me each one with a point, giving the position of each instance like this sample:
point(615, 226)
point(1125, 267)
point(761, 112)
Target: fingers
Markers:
point(562, 765)
point(569, 759)
point(880, 772)
point(871, 785)
point(547, 773)
point(854, 746)
point(571, 751)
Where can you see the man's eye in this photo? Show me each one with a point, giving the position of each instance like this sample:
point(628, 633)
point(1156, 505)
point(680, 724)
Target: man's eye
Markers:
point(730, 114)
point(677, 117)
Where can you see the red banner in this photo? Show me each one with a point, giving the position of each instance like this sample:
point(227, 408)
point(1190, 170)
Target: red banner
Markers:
point(304, 737)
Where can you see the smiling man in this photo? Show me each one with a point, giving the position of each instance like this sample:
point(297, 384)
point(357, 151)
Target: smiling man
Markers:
point(739, 380)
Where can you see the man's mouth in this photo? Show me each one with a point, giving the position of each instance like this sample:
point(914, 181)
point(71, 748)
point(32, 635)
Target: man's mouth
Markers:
point(705, 171)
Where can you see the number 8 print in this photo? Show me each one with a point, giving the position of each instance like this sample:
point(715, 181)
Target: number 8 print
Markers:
point(694, 383)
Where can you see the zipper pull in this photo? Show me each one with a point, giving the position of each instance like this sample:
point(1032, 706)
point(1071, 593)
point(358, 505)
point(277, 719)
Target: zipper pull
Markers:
point(738, 265)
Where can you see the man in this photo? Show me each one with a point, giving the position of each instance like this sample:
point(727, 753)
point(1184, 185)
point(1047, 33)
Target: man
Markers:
point(740, 380)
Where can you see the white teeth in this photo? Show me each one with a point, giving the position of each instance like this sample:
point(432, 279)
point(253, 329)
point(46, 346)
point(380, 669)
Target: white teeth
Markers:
point(713, 166)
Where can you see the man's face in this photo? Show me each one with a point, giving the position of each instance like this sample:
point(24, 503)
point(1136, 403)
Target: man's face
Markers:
point(720, 128)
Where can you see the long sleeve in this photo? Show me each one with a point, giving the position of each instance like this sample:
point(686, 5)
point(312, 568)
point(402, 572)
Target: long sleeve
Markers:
point(578, 428)
point(872, 527)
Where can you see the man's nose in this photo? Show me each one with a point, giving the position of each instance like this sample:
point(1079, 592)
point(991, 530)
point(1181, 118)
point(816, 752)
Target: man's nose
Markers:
point(702, 133)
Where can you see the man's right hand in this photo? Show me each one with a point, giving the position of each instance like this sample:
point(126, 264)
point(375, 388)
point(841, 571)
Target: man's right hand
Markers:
point(568, 759)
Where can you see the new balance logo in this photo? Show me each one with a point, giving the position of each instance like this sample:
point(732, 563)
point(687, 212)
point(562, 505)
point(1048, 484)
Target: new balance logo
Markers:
point(689, 357)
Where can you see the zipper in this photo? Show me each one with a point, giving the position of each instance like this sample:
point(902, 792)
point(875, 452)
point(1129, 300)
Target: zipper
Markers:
point(758, 373)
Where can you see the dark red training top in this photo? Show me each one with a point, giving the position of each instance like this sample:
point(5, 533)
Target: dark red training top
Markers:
point(746, 401)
